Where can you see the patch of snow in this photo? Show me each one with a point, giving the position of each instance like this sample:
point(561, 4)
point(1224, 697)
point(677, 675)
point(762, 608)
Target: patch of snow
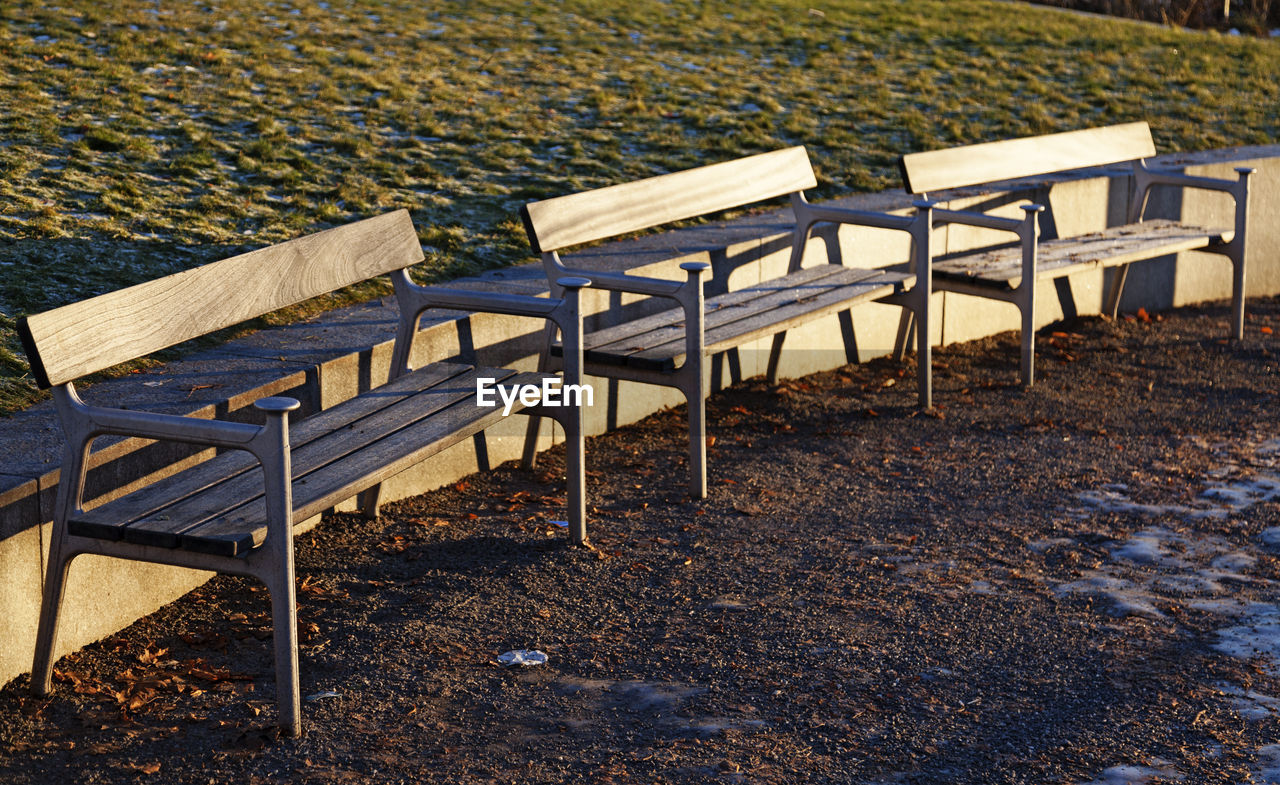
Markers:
point(1136, 775)
point(1251, 704)
point(1269, 772)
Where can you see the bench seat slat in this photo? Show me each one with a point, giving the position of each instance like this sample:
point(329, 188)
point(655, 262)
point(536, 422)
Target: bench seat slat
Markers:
point(790, 307)
point(400, 418)
point(343, 479)
point(1118, 245)
point(109, 521)
point(661, 326)
point(164, 529)
point(657, 342)
point(330, 449)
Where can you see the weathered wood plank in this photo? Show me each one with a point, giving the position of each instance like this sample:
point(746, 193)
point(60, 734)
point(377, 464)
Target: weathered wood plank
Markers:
point(1057, 258)
point(670, 318)
point(88, 336)
point(108, 521)
point(664, 347)
point(329, 448)
point(371, 463)
point(632, 337)
point(612, 345)
point(956, 167)
point(789, 309)
point(588, 216)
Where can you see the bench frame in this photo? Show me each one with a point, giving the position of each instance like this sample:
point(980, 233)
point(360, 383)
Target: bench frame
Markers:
point(993, 162)
point(561, 222)
point(272, 562)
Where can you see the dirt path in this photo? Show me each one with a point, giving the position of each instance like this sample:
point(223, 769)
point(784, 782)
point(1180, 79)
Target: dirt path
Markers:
point(1072, 584)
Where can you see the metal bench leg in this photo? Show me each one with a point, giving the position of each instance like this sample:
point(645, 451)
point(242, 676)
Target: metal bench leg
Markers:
point(1026, 294)
point(924, 349)
point(75, 458)
point(919, 301)
point(532, 429)
point(1112, 305)
point(575, 477)
point(55, 581)
point(529, 458)
point(370, 501)
point(284, 621)
point(697, 401)
point(1027, 306)
point(775, 357)
point(1236, 249)
point(1237, 296)
point(691, 378)
point(902, 343)
point(274, 566)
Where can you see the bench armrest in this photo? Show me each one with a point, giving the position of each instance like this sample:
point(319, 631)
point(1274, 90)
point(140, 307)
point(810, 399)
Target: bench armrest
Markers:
point(82, 423)
point(843, 215)
point(634, 284)
point(1144, 178)
point(413, 299)
point(1183, 180)
point(168, 427)
point(969, 218)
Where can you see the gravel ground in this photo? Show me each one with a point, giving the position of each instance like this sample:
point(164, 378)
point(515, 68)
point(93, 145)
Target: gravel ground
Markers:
point(1071, 584)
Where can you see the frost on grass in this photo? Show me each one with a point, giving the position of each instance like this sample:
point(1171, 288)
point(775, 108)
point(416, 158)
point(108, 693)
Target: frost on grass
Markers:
point(123, 122)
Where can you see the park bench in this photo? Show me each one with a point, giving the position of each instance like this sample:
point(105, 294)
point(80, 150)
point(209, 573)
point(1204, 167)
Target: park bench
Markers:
point(223, 514)
point(673, 347)
point(1010, 273)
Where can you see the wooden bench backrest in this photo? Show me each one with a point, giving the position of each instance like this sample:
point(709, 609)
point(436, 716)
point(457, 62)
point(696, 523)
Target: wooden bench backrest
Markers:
point(588, 216)
point(77, 339)
point(939, 170)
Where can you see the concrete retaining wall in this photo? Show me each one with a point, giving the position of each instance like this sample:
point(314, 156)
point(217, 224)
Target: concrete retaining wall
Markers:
point(332, 357)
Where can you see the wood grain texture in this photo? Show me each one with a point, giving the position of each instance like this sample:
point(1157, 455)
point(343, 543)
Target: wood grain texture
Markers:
point(112, 328)
point(783, 309)
point(159, 502)
point(1002, 267)
point(607, 212)
point(371, 463)
point(656, 342)
point(671, 322)
point(165, 513)
point(956, 167)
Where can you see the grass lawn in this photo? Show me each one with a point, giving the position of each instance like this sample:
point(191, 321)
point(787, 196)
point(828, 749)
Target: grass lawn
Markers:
point(141, 138)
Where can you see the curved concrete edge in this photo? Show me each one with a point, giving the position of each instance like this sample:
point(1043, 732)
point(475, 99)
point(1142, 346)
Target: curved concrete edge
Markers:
point(332, 357)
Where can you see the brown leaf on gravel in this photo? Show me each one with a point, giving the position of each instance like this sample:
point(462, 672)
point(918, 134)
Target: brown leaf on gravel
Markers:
point(316, 589)
point(153, 767)
point(81, 684)
point(201, 670)
point(151, 654)
point(430, 521)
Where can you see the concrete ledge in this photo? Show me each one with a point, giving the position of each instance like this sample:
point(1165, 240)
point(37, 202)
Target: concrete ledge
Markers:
point(333, 357)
